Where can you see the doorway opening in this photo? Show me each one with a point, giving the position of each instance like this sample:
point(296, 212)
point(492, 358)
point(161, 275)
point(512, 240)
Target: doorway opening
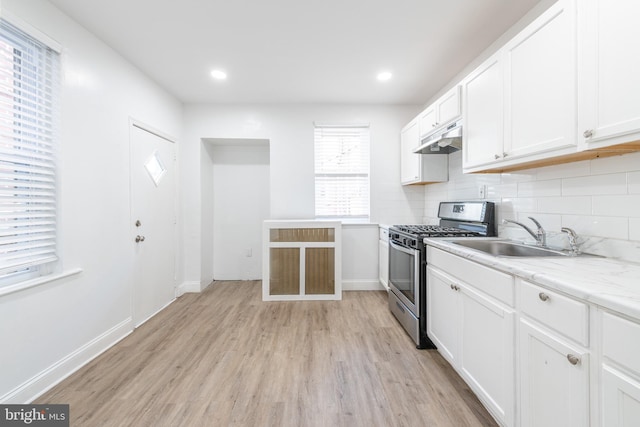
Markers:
point(235, 202)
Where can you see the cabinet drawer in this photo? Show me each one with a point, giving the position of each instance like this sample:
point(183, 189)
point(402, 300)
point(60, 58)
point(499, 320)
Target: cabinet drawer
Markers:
point(494, 283)
point(565, 315)
point(621, 341)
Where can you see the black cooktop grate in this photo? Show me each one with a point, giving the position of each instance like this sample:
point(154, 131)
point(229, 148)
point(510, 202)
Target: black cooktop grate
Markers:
point(421, 230)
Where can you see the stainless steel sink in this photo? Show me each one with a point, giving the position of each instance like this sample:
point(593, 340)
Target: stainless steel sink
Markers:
point(510, 249)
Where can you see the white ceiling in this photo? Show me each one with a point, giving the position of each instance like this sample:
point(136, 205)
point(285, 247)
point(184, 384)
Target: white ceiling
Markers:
point(299, 51)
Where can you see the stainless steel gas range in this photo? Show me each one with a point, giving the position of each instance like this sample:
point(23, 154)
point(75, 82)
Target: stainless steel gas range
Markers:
point(408, 260)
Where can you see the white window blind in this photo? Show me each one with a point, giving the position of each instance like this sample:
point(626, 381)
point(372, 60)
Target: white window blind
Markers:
point(342, 172)
point(29, 79)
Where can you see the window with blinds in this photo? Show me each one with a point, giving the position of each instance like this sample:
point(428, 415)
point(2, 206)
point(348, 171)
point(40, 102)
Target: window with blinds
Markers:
point(29, 79)
point(342, 172)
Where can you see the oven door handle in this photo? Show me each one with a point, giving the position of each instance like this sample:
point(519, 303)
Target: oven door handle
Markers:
point(409, 251)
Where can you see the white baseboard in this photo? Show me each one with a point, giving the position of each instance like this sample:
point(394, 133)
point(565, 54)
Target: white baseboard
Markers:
point(45, 380)
point(192, 287)
point(156, 312)
point(362, 285)
point(188, 287)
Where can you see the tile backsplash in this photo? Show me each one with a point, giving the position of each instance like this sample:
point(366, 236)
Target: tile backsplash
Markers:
point(599, 199)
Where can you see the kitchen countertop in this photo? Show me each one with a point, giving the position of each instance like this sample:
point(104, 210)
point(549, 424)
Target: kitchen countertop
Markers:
point(606, 282)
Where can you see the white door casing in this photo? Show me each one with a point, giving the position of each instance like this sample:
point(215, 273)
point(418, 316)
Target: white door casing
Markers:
point(153, 221)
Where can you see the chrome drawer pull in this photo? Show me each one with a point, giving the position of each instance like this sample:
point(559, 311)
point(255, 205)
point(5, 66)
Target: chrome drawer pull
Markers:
point(574, 360)
point(543, 296)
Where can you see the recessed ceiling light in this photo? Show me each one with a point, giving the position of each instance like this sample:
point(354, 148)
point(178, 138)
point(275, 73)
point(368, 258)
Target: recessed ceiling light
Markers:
point(384, 76)
point(218, 74)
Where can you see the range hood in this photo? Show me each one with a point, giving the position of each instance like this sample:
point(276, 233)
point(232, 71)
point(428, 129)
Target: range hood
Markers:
point(444, 141)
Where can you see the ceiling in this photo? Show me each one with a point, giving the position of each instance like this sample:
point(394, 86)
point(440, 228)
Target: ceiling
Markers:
point(299, 51)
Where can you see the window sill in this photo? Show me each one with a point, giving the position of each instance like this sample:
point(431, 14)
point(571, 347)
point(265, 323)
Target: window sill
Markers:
point(17, 287)
point(359, 224)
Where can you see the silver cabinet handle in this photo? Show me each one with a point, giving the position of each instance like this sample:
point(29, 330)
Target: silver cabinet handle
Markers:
point(573, 359)
point(455, 287)
point(138, 223)
point(504, 154)
point(543, 296)
point(496, 156)
point(588, 133)
point(139, 239)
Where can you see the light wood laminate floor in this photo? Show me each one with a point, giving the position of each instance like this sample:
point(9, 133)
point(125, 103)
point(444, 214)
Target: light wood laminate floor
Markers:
point(225, 358)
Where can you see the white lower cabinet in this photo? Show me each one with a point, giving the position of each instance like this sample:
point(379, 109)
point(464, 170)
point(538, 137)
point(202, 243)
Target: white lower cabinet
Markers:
point(554, 362)
point(383, 257)
point(554, 379)
point(534, 356)
point(443, 310)
point(620, 399)
point(620, 371)
point(487, 352)
point(475, 334)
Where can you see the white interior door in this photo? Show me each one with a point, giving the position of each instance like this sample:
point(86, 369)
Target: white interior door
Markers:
point(153, 222)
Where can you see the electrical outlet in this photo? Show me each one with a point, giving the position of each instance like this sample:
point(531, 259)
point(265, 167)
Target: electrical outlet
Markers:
point(482, 191)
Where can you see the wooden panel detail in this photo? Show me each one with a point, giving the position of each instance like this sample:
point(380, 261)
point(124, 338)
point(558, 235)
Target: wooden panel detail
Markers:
point(284, 278)
point(320, 271)
point(614, 150)
point(302, 235)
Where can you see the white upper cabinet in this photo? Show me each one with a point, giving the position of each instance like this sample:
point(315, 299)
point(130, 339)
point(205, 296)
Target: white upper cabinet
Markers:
point(540, 84)
point(409, 162)
point(419, 168)
point(609, 80)
point(520, 104)
point(428, 120)
point(446, 109)
point(483, 106)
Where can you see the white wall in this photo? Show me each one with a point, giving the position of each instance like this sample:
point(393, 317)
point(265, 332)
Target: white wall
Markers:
point(360, 257)
point(49, 330)
point(599, 199)
point(289, 128)
point(240, 205)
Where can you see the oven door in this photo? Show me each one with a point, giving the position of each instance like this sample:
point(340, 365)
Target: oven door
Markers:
point(404, 275)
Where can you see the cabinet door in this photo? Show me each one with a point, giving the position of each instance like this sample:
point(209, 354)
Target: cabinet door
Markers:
point(621, 399)
point(487, 352)
point(383, 263)
point(443, 314)
point(409, 161)
point(483, 114)
point(554, 391)
point(609, 80)
point(428, 120)
point(449, 106)
point(540, 75)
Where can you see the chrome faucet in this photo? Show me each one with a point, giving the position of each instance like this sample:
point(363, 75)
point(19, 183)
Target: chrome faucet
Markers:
point(573, 240)
point(540, 235)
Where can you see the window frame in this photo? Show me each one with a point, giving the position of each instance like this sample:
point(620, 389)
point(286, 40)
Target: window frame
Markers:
point(365, 138)
point(33, 275)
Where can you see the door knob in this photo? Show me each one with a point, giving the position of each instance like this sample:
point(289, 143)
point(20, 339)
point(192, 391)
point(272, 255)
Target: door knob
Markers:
point(139, 239)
